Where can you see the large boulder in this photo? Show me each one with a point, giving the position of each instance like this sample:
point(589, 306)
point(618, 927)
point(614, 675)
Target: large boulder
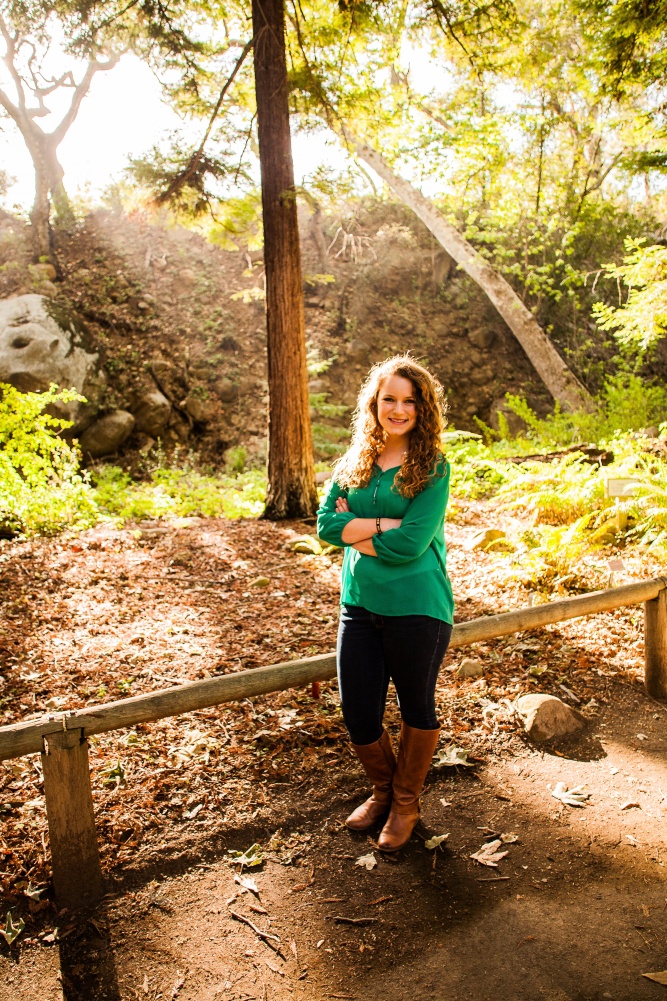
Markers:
point(152, 411)
point(39, 347)
point(106, 435)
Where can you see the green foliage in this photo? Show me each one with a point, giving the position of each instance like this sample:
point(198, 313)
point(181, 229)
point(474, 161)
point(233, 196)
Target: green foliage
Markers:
point(235, 459)
point(318, 402)
point(330, 440)
point(179, 492)
point(41, 487)
point(642, 319)
point(563, 501)
point(626, 403)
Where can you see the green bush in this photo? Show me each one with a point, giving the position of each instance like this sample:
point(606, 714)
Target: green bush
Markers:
point(180, 493)
point(41, 487)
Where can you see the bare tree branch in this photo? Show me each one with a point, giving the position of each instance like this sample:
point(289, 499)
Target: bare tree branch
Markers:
point(80, 92)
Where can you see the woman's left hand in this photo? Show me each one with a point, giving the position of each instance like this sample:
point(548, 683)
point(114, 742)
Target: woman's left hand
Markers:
point(342, 507)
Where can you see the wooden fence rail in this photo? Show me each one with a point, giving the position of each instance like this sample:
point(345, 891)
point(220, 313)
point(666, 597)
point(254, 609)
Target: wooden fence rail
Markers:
point(61, 737)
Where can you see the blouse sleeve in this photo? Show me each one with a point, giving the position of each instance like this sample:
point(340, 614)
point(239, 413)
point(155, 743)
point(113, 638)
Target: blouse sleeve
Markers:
point(330, 523)
point(420, 523)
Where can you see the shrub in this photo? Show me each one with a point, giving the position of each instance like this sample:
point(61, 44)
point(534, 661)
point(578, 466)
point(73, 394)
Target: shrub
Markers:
point(41, 487)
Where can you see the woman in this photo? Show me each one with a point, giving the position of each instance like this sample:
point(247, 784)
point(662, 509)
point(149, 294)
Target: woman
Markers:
point(386, 505)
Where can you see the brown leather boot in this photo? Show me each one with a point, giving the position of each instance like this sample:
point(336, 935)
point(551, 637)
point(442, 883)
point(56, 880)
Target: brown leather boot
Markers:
point(379, 762)
point(415, 752)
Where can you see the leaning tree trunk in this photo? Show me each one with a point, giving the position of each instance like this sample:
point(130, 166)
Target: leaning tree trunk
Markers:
point(291, 488)
point(556, 376)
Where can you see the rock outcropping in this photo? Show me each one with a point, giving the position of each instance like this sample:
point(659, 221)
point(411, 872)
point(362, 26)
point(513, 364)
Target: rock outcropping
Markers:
point(38, 349)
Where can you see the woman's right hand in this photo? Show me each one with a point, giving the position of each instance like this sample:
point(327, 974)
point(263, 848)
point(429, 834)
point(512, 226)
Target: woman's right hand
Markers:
point(386, 524)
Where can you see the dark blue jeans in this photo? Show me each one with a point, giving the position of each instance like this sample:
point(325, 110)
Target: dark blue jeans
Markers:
point(376, 649)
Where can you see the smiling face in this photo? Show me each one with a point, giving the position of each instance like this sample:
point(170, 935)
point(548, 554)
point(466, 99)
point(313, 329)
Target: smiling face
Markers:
point(397, 406)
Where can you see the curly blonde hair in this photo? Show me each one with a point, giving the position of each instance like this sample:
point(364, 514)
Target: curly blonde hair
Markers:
point(354, 469)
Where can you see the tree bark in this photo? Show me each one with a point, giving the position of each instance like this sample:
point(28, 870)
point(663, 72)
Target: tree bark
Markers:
point(291, 489)
point(561, 382)
point(49, 190)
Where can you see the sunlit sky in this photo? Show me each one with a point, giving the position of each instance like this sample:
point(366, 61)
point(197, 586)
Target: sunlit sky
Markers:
point(123, 116)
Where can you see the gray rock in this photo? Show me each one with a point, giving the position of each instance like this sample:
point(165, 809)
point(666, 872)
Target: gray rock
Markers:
point(545, 717)
point(39, 347)
point(106, 435)
point(152, 411)
point(469, 668)
point(482, 337)
point(226, 390)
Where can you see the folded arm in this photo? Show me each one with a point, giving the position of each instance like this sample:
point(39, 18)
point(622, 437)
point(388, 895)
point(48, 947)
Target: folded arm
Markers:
point(337, 525)
point(420, 524)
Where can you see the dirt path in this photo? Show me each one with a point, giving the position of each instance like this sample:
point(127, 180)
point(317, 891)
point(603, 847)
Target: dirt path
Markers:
point(576, 910)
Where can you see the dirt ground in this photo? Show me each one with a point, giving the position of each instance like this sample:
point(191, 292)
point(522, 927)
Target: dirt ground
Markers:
point(575, 911)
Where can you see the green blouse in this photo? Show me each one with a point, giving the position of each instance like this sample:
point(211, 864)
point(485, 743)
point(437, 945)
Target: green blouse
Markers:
point(409, 574)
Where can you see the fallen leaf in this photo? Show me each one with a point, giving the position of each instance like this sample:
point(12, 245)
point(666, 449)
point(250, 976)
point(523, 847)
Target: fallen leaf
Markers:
point(509, 839)
point(659, 978)
point(33, 892)
point(248, 883)
point(451, 756)
point(180, 980)
point(12, 928)
point(367, 861)
point(272, 966)
point(571, 797)
point(145, 984)
point(435, 841)
point(489, 855)
point(249, 858)
point(631, 804)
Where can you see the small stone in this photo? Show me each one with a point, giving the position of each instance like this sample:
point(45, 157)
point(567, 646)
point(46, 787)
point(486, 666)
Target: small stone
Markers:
point(106, 435)
point(482, 376)
point(142, 304)
point(152, 412)
point(201, 411)
point(47, 288)
point(42, 271)
point(485, 538)
point(226, 390)
point(260, 582)
point(482, 338)
point(469, 668)
point(358, 350)
point(545, 717)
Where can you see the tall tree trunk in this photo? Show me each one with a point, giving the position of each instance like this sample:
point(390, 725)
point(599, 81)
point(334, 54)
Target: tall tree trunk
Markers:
point(561, 382)
point(291, 488)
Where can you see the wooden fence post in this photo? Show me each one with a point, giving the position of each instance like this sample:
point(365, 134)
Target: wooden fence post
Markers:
point(77, 876)
point(655, 646)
